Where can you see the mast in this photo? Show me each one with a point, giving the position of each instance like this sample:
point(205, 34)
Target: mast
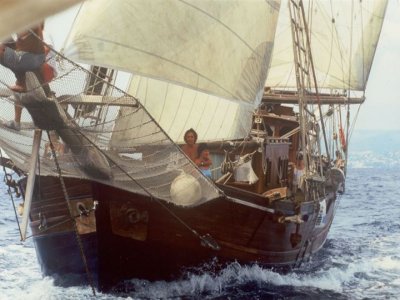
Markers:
point(306, 80)
point(300, 61)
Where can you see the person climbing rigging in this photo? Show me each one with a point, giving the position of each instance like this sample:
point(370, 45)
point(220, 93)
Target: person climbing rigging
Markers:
point(27, 53)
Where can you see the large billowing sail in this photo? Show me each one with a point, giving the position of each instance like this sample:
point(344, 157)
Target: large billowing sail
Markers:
point(222, 48)
point(17, 15)
point(344, 36)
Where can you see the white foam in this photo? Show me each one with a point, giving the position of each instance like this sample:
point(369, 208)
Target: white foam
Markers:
point(387, 263)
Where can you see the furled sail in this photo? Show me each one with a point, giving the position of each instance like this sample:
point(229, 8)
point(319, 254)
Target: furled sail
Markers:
point(222, 48)
point(344, 36)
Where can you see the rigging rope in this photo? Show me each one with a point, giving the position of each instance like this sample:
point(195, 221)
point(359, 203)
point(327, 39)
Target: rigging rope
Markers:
point(79, 241)
point(10, 193)
point(205, 239)
point(71, 219)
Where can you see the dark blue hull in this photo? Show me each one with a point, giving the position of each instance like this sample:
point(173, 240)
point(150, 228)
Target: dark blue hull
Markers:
point(60, 257)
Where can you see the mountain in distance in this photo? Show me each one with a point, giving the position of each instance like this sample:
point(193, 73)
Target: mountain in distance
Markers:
point(375, 149)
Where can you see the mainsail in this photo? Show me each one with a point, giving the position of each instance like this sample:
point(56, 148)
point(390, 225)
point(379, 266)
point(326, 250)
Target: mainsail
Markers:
point(344, 36)
point(198, 64)
point(219, 47)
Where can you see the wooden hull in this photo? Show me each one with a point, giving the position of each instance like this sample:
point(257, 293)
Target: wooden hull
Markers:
point(132, 236)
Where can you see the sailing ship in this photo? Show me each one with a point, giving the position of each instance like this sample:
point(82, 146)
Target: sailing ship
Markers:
point(267, 85)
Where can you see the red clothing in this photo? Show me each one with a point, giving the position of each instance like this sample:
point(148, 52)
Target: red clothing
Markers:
point(48, 72)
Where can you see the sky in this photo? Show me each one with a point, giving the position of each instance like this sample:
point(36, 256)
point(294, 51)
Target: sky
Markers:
point(381, 109)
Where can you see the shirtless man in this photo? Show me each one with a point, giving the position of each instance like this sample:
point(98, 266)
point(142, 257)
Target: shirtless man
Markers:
point(190, 148)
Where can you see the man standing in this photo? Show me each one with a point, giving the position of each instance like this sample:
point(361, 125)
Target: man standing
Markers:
point(27, 53)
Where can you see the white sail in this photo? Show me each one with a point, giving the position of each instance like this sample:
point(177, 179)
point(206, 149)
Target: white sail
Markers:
point(344, 36)
point(222, 48)
point(17, 15)
point(177, 108)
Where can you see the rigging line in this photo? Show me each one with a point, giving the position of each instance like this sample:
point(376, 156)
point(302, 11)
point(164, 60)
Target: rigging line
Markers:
point(353, 125)
point(70, 219)
point(339, 48)
point(226, 121)
point(331, 47)
point(205, 105)
point(66, 196)
point(165, 97)
point(242, 144)
point(10, 193)
point(188, 117)
point(317, 206)
point(348, 104)
point(215, 109)
point(362, 43)
point(202, 238)
point(314, 78)
point(350, 54)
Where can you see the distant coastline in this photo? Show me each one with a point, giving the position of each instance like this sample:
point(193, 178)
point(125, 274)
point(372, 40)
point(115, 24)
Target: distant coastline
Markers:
point(375, 149)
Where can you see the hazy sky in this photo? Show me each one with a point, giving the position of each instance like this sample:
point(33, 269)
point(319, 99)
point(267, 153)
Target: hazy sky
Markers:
point(382, 107)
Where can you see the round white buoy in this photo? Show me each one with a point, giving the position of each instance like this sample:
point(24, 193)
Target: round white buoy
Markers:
point(185, 190)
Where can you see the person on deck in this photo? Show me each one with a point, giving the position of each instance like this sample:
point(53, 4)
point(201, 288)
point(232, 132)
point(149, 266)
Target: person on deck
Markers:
point(298, 173)
point(25, 54)
point(190, 148)
point(339, 161)
point(203, 161)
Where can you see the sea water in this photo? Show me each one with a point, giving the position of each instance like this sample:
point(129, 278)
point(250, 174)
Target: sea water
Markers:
point(360, 259)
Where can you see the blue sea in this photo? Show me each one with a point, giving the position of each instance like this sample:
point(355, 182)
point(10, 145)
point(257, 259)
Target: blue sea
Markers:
point(360, 260)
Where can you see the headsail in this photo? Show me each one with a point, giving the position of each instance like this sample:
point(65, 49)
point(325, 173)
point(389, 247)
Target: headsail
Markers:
point(344, 36)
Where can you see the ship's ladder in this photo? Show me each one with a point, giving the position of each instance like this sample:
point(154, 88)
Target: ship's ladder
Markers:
point(310, 124)
point(97, 83)
point(306, 84)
